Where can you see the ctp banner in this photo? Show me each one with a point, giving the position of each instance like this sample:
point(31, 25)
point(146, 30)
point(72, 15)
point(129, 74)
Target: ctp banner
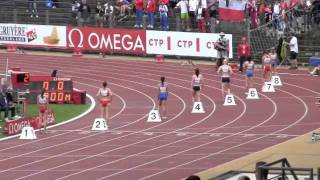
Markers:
point(110, 40)
point(33, 35)
point(184, 43)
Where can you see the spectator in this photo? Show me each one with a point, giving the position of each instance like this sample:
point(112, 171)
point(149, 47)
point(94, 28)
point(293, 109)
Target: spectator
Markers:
point(172, 5)
point(52, 3)
point(139, 13)
point(84, 11)
point(99, 16)
point(254, 14)
point(293, 44)
point(276, 14)
point(163, 11)
point(307, 17)
point(243, 52)
point(183, 5)
point(123, 6)
point(193, 6)
point(268, 19)
point(75, 8)
point(108, 11)
point(151, 9)
point(316, 11)
point(33, 8)
point(201, 18)
point(6, 104)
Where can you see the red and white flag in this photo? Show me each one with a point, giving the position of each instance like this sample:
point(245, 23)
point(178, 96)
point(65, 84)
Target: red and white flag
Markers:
point(232, 10)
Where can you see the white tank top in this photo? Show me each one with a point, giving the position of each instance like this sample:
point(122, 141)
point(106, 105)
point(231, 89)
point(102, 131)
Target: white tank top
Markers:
point(225, 71)
point(250, 65)
point(163, 88)
point(42, 100)
point(104, 92)
point(267, 60)
point(197, 80)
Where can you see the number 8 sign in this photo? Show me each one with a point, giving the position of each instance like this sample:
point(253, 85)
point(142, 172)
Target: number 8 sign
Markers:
point(276, 81)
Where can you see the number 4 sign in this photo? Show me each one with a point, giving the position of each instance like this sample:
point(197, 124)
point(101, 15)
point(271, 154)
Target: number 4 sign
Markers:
point(154, 116)
point(197, 108)
point(99, 124)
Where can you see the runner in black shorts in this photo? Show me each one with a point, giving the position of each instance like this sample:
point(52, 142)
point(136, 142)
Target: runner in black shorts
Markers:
point(197, 84)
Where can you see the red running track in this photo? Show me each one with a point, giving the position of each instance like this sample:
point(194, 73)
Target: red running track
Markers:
point(181, 145)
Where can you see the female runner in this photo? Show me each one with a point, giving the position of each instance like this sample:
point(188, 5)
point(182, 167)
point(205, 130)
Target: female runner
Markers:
point(225, 71)
point(43, 102)
point(105, 96)
point(163, 96)
point(197, 85)
point(249, 68)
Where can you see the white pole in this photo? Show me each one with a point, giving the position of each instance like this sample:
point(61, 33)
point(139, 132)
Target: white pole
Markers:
point(7, 67)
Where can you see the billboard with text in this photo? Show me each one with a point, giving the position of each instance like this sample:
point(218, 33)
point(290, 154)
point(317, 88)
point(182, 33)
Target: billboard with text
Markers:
point(33, 35)
point(107, 40)
point(184, 43)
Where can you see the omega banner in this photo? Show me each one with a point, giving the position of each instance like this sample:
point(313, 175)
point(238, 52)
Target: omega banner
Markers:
point(107, 40)
point(13, 127)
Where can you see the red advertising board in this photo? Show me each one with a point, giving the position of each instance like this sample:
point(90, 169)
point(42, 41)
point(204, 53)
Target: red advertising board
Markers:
point(13, 127)
point(107, 40)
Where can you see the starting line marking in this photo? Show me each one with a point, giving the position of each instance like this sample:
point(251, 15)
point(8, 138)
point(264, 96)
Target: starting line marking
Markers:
point(179, 133)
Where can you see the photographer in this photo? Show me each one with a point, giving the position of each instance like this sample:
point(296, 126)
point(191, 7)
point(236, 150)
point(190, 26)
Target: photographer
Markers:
point(222, 46)
point(6, 103)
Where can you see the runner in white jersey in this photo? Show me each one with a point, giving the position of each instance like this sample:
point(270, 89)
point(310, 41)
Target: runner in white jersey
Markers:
point(162, 97)
point(105, 96)
point(43, 102)
point(225, 71)
point(197, 85)
point(249, 69)
point(274, 60)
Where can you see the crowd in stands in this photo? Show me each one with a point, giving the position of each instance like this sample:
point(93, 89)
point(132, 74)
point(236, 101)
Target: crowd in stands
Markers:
point(284, 16)
point(193, 14)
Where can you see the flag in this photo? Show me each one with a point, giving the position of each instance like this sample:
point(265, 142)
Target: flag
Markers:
point(232, 10)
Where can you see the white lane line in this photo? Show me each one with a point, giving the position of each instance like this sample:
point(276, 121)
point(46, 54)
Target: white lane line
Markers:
point(212, 154)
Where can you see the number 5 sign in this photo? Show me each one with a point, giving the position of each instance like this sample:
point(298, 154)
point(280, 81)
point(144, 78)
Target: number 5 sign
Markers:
point(229, 100)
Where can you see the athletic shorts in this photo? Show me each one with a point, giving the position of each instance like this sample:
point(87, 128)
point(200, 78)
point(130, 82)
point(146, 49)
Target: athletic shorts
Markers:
point(225, 80)
point(104, 102)
point(42, 108)
point(293, 55)
point(196, 88)
point(249, 73)
point(267, 68)
point(163, 96)
point(184, 16)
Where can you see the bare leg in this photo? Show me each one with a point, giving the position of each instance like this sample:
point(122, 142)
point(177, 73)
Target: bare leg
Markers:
point(164, 109)
point(102, 112)
point(193, 96)
point(198, 96)
point(107, 112)
point(223, 90)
